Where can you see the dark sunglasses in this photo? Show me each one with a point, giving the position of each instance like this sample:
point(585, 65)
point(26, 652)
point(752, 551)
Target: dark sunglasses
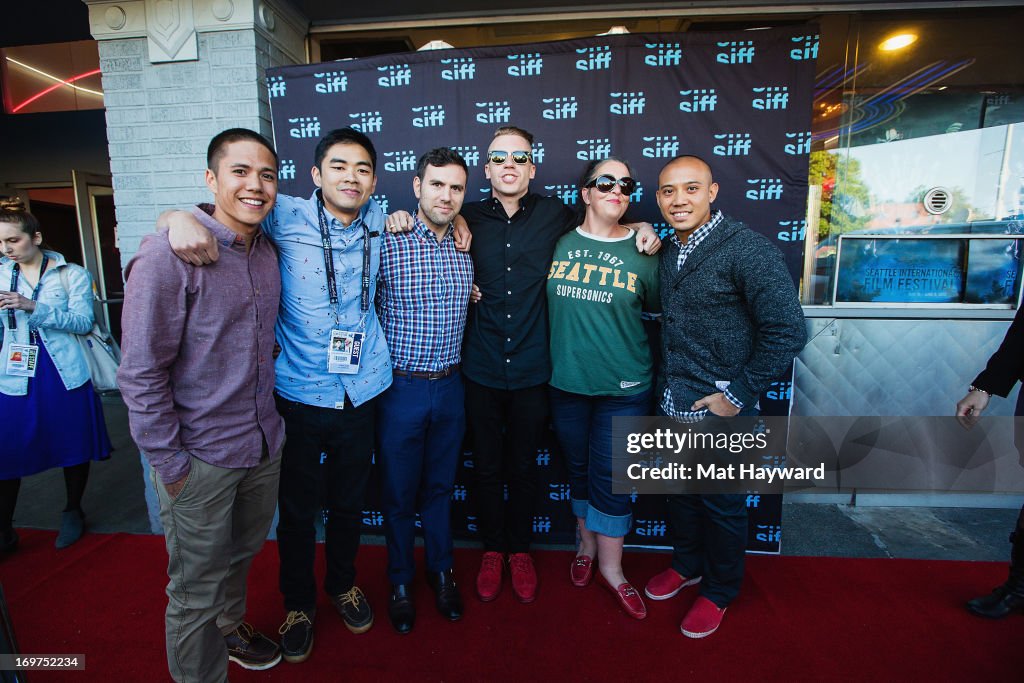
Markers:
point(498, 157)
point(606, 183)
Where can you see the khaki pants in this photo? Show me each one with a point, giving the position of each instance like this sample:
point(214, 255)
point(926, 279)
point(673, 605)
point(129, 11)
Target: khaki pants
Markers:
point(213, 529)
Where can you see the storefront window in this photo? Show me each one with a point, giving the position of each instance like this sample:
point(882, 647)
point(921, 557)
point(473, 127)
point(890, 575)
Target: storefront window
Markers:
point(921, 139)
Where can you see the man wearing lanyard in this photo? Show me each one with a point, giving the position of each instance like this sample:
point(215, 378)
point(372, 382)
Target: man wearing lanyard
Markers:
point(421, 300)
point(329, 252)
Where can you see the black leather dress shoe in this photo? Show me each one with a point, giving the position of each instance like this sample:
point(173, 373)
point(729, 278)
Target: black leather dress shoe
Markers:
point(401, 609)
point(447, 597)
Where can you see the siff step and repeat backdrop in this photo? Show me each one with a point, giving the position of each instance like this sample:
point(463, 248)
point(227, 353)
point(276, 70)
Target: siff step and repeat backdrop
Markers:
point(740, 100)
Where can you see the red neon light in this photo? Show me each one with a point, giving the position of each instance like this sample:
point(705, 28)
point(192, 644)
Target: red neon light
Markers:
point(54, 87)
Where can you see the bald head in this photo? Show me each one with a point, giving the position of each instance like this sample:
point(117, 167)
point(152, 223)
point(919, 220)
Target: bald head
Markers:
point(685, 193)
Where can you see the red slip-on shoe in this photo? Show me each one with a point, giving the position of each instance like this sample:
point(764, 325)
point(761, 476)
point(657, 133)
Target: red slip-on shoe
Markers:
point(703, 619)
point(667, 584)
point(488, 581)
point(582, 570)
point(629, 599)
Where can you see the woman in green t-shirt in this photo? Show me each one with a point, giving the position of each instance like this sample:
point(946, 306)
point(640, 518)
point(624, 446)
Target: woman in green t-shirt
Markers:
point(597, 288)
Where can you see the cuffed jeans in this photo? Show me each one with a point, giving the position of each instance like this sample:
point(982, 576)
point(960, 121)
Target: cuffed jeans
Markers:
point(421, 424)
point(583, 425)
point(517, 417)
point(213, 529)
point(346, 436)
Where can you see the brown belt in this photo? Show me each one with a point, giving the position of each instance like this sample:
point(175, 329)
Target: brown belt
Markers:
point(440, 374)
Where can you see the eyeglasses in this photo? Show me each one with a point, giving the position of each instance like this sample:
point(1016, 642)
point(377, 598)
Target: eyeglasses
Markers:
point(520, 157)
point(606, 183)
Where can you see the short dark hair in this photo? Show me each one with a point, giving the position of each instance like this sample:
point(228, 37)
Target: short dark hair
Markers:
point(215, 152)
point(12, 210)
point(344, 136)
point(589, 173)
point(515, 130)
point(440, 157)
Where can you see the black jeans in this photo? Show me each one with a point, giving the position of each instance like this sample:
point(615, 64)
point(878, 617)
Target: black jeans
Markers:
point(309, 484)
point(506, 423)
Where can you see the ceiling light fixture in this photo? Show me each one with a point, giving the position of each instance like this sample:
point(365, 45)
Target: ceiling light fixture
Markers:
point(897, 42)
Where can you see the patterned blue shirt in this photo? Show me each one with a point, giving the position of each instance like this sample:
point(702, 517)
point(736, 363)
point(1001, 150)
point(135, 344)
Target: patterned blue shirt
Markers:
point(668, 406)
point(306, 316)
point(422, 298)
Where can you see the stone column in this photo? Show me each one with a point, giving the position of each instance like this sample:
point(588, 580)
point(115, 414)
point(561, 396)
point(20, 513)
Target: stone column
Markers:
point(175, 73)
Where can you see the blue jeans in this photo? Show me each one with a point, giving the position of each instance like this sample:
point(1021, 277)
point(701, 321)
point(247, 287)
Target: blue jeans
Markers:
point(420, 425)
point(583, 425)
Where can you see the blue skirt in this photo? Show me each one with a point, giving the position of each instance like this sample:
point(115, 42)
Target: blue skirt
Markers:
point(50, 426)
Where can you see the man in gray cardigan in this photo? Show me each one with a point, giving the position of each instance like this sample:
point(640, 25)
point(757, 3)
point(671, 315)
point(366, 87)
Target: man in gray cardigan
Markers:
point(732, 324)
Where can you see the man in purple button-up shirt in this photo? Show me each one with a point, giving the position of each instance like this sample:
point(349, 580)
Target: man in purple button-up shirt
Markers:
point(197, 375)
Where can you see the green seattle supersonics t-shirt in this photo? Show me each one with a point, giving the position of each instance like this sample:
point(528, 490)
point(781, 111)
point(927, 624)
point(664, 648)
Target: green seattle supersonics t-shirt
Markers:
point(597, 289)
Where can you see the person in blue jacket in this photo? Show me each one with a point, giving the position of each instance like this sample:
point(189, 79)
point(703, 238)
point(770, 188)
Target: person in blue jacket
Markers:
point(53, 417)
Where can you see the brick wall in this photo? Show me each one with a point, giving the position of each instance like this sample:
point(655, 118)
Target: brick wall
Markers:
point(160, 118)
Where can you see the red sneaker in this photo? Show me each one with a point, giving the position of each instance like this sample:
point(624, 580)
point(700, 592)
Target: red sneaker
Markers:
point(703, 619)
point(667, 584)
point(524, 577)
point(488, 581)
point(582, 570)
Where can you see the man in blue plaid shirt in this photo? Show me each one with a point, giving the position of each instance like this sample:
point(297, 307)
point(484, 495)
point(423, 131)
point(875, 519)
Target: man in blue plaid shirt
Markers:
point(422, 297)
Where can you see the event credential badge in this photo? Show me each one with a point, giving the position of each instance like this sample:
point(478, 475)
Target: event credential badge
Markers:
point(21, 360)
point(344, 352)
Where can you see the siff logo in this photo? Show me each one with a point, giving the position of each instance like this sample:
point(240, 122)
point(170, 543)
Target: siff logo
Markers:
point(753, 500)
point(538, 153)
point(736, 52)
point(780, 391)
point(558, 491)
point(801, 144)
point(382, 202)
point(662, 147)
point(769, 533)
point(367, 121)
point(698, 100)
point(471, 523)
point(276, 86)
point(809, 49)
point(774, 97)
point(665, 54)
point(792, 231)
point(637, 195)
point(567, 193)
point(736, 145)
point(402, 161)
point(430, 116)
point(650, 527)
point(287, 170)
point(459, 493)
point(562, 108)
point(596, 58)
point(594, 149)
point(493, 112)
point(471, 154)
point(629, 103)
point(529, 64)
point(543, 457)
point(331, 82)
point(308, 127)
point(373, 518)
point(460, 69)
point(542, 524)
point(767, 188)
point(394, 76)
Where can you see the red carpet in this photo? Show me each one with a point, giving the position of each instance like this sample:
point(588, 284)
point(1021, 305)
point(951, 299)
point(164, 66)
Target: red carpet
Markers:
point(798, 619)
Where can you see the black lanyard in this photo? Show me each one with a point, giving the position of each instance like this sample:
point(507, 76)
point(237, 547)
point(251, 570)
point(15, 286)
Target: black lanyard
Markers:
point(332, 286)
point(12, 322)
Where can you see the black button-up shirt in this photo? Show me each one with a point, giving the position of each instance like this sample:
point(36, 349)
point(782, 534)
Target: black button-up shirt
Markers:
point(506, 344)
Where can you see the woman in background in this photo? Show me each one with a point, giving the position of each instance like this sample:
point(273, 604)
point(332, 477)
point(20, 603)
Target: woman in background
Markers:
point(51, 414)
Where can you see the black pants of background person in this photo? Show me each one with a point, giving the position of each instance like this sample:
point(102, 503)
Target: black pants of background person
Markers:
point(307, 486)
point(494, 417)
